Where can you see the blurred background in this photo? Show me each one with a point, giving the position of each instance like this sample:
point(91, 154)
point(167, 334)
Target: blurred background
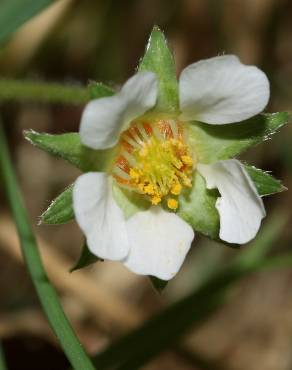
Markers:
point(76, 41)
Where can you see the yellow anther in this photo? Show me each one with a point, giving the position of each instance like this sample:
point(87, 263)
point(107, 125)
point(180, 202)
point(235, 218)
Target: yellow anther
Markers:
point(149, 189)
point(176, 188)
point(187, 160)
point(141, 186)
point(187, 182)
point(155, 200)
point(134, 174)
point(157, 161)
point(172, 203)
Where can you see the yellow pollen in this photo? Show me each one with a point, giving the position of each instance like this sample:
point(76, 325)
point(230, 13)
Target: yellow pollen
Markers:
point(158, 161)
point(187, 160)
point(176, 189)
point(187, 182)
point(172, 203)
point(141, 187)
point(155, 200)
point(149, 189)
point(134, 174)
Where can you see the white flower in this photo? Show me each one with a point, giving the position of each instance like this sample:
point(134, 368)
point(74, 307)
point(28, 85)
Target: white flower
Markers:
point(155, 160)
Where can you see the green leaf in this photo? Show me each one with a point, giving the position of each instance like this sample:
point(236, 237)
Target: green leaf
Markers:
point(159, 59)
point(69, 147)
point(14, 13)
point(99, 90)
point(86, 258)
point(265, 183)
point(158, 284)
point(197, 207)
point(60, 210)
point(130, 202)
point(215, 142)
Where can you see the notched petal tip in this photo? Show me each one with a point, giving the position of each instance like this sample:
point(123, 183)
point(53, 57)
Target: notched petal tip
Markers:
point(222, 90)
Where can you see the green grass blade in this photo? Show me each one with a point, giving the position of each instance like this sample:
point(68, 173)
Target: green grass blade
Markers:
point(46, 292)
point(13, 13)
point(166, 328)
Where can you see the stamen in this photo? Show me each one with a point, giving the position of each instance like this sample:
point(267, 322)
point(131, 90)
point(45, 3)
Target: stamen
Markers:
point(174, 128)
point(142, 131)
point(187, 159)
point(156, 161)
point(172, 203)
point(131, 141)
point(120, 173)
point(155, 200)
point(176, 189)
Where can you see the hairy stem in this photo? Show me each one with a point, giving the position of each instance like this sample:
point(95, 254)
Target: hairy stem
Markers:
point(39, 91)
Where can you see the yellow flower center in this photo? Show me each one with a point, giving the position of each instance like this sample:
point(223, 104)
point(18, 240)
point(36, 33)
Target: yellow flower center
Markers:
point(155, 160)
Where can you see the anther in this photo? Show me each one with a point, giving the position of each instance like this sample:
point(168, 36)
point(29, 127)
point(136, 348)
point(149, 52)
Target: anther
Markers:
point(172, 203)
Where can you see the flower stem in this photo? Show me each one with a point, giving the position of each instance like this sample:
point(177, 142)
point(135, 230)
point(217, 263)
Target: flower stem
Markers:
point(38, 91)
point(46, 292)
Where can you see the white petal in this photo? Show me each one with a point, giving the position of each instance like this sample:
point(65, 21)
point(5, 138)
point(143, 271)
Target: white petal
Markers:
point(103, 119)
point(99, 217)
point(240, 207)
point(159, 242)
point(222, 90)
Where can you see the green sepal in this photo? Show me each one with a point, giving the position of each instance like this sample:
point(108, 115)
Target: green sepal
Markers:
point(265, 183)
point(69, 147)
point(197, 207)
point(158, 284)
point(214, 142)
point(86, 258)
point(159, 59)
point(129, 201)
point(99, 90)
point(60, 211)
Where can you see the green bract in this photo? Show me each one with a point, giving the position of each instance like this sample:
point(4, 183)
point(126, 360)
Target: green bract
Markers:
point(210, 143)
